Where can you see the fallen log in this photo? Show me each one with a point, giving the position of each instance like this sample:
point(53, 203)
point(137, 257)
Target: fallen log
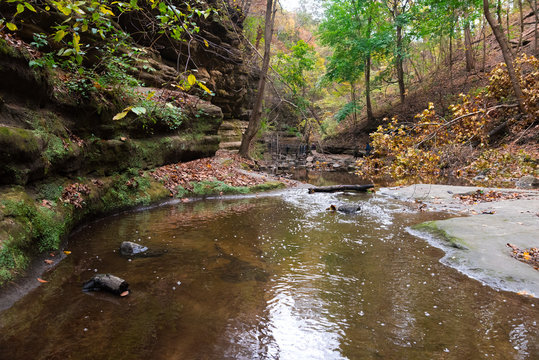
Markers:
point(107, 282)
point(337, 188)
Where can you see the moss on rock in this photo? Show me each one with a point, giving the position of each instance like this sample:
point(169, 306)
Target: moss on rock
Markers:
point(432, 228)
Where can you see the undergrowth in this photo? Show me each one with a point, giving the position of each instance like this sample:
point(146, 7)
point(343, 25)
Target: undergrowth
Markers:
point(47, 228)
point(129, 190)
point(208, 187)
point(461, 144)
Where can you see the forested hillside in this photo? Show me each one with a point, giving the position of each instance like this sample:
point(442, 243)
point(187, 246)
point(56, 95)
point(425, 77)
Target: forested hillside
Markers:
point(454, 97)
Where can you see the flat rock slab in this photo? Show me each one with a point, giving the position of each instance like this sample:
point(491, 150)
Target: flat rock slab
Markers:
point(477, 244)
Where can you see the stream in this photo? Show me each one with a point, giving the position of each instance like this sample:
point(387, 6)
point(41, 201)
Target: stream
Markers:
point(273, 276)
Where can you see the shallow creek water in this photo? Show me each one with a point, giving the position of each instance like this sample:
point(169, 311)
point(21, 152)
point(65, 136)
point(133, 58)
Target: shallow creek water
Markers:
point(268, 277)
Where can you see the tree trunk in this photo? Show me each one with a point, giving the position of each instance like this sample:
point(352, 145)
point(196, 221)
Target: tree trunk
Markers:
point(368, 77)
point(507, 24)
point(536, 14)
point(498, 33)
point(521, 14)
point(256, 115)
point(370, 117)
point(484, 48)
point(451, 59)
point(354, 101)
point(499, 12)
point(470, 61)
point(399, 64)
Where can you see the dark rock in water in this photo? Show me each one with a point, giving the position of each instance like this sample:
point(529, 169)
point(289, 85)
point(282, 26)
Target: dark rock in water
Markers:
point(129, 248)
point(107, 282)
point(349, 209)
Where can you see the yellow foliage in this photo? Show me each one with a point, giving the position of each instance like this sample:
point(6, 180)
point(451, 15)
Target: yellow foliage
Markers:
point(418, 149)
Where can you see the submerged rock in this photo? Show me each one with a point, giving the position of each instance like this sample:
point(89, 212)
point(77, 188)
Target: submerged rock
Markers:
point(349, 209)
point(107, 282)
point(129, 248)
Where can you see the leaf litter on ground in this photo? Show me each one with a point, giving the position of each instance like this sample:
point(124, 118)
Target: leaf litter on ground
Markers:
point(479, 196)
point(529, 256)
point(225, 167)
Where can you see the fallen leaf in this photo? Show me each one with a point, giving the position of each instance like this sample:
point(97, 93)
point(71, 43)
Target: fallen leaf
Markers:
point(67, 252)
point(125, 293)
point(525, 293)
point(41, 280)
point(49, 261)
point(52, 254)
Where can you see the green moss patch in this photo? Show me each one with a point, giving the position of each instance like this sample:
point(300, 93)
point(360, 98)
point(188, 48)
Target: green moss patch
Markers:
point(432, 228)
point(204, 188)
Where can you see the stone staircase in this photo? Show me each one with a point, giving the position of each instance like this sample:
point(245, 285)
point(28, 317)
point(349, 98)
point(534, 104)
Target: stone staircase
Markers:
point(231, 132)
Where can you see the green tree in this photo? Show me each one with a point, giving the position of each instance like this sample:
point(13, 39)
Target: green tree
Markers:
point(292, 66)
point(356, 31)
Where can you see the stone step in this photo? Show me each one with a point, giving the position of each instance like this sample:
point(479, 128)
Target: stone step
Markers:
point(230, 133)
point(231, 145)
point(234, 125)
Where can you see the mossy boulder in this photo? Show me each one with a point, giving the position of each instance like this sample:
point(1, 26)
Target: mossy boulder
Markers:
point(20, 151)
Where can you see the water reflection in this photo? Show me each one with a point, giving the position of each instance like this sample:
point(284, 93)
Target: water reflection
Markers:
point(267, 278)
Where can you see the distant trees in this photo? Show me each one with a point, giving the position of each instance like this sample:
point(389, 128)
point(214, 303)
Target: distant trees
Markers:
point(367, 36)
point(372, 47)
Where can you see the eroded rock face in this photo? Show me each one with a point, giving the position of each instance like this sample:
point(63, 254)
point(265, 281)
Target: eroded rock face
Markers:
point(214, 57)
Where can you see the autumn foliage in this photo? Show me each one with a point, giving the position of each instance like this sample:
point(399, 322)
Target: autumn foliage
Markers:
point(461, 144)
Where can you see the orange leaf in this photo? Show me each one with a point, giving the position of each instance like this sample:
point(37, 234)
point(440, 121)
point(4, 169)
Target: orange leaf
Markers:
point(67, 252)
point(48, 262)
point(41, 280)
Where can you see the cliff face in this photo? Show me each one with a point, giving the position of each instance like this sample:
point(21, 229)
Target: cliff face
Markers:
point(63, 136)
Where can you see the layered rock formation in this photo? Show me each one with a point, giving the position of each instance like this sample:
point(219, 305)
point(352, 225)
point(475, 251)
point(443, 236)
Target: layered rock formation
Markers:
point(59, 141)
